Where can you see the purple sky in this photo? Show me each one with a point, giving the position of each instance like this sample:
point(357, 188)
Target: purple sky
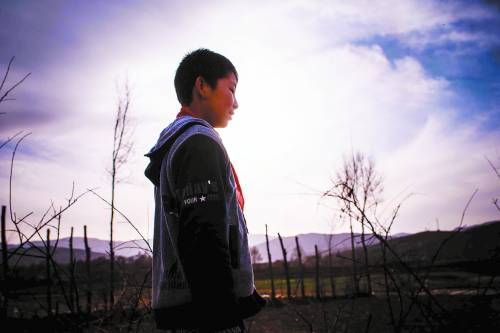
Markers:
point(415, 84)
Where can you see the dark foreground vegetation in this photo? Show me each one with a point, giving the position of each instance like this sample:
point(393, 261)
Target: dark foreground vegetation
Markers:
point(464, 294)
point(465, 313)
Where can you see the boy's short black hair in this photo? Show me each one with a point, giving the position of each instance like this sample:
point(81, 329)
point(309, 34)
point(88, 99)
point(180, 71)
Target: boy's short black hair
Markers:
point(201, 62)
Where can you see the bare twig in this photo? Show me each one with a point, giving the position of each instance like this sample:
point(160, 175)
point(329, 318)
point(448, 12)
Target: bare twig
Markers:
point(493, 167)
point(10, 176)
point(125, 217)
point(9, 139)
point(4, 98)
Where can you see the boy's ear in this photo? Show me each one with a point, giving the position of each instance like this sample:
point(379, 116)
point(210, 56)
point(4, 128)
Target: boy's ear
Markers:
point(201, 86)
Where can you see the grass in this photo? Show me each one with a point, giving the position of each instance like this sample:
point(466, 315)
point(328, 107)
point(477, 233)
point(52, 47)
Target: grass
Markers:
point(343, 284)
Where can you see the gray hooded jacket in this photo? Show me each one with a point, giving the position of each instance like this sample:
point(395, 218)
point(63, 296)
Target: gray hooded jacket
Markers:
point(202, 271)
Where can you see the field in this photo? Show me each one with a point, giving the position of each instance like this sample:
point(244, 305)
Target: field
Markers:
point(412, 289)
point(368, 314)
point(441, 282)
point(466, 313)
point(468, 308)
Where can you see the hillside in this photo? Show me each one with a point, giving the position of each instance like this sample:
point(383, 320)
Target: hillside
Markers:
point(472, 243)
point(122, 248)
point(339, 243)
point(30, 256)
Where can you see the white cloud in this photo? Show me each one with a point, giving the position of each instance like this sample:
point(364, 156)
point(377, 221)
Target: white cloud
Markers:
point(443, 165)
point(350, 96)
point(359, 20)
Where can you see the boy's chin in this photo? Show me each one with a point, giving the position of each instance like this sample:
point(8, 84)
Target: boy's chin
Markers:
point(222, 124)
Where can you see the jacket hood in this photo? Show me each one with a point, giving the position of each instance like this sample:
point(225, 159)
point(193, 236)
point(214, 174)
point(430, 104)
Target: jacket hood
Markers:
point(165, 141)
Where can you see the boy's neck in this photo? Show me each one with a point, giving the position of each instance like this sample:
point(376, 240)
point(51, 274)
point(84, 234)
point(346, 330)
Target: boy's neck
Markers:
point(186, 110)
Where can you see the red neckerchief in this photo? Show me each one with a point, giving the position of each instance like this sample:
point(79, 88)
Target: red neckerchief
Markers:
point(239, 193)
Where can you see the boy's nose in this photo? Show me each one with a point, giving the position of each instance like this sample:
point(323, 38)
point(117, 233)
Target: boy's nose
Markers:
point(235, 104)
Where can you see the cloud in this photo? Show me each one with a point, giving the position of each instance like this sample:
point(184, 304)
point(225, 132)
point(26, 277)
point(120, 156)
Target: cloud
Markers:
point(360, 20)
point(446, 36)
point(443, 165)
point(309, 92)
point(353, 96)
point(15, 118)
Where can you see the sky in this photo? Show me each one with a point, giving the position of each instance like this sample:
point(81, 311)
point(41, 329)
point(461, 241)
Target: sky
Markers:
point(413, 84)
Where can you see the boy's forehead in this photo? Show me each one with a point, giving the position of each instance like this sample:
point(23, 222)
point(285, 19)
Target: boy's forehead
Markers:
point(232, 78)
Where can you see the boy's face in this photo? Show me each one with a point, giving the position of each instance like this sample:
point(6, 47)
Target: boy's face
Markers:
point(220, 102)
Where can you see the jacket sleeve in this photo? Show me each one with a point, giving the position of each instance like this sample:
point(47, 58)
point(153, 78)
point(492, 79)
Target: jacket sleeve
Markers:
point(200, 172)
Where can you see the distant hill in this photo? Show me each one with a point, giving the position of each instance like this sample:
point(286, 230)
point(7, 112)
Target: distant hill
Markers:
point(471, 243)
point(339, 243)
point(256, 239)
point(122, 248)
point(131, 248)
point(99, 248)
point(30, 256)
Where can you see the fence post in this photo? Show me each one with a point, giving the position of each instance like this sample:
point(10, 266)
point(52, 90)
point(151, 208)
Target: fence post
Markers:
point(71, 273)
point(287, 273)
point(87, 266)
point(5, 267)
point(332, 278)
point(75, 297)
point(49, 275)
point(273, 291)
point(367, 261)
point(318, 287)
point(355, 279)
point(301, 268)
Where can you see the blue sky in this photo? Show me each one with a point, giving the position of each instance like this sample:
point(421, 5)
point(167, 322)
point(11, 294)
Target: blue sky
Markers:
point(473, 72)
point(415, 84)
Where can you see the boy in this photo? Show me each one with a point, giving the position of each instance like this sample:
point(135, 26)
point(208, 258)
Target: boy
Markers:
point(202, 273)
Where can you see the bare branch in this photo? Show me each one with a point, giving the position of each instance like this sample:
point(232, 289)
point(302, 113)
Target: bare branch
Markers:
point(10, 177)
point(493, 167)
point(47, 222)
point(9, 139)
point(6, 73)
point(3, 98)
point(124, 216)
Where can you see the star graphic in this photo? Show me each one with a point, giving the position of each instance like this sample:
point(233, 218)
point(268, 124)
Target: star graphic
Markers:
point(202, 198)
